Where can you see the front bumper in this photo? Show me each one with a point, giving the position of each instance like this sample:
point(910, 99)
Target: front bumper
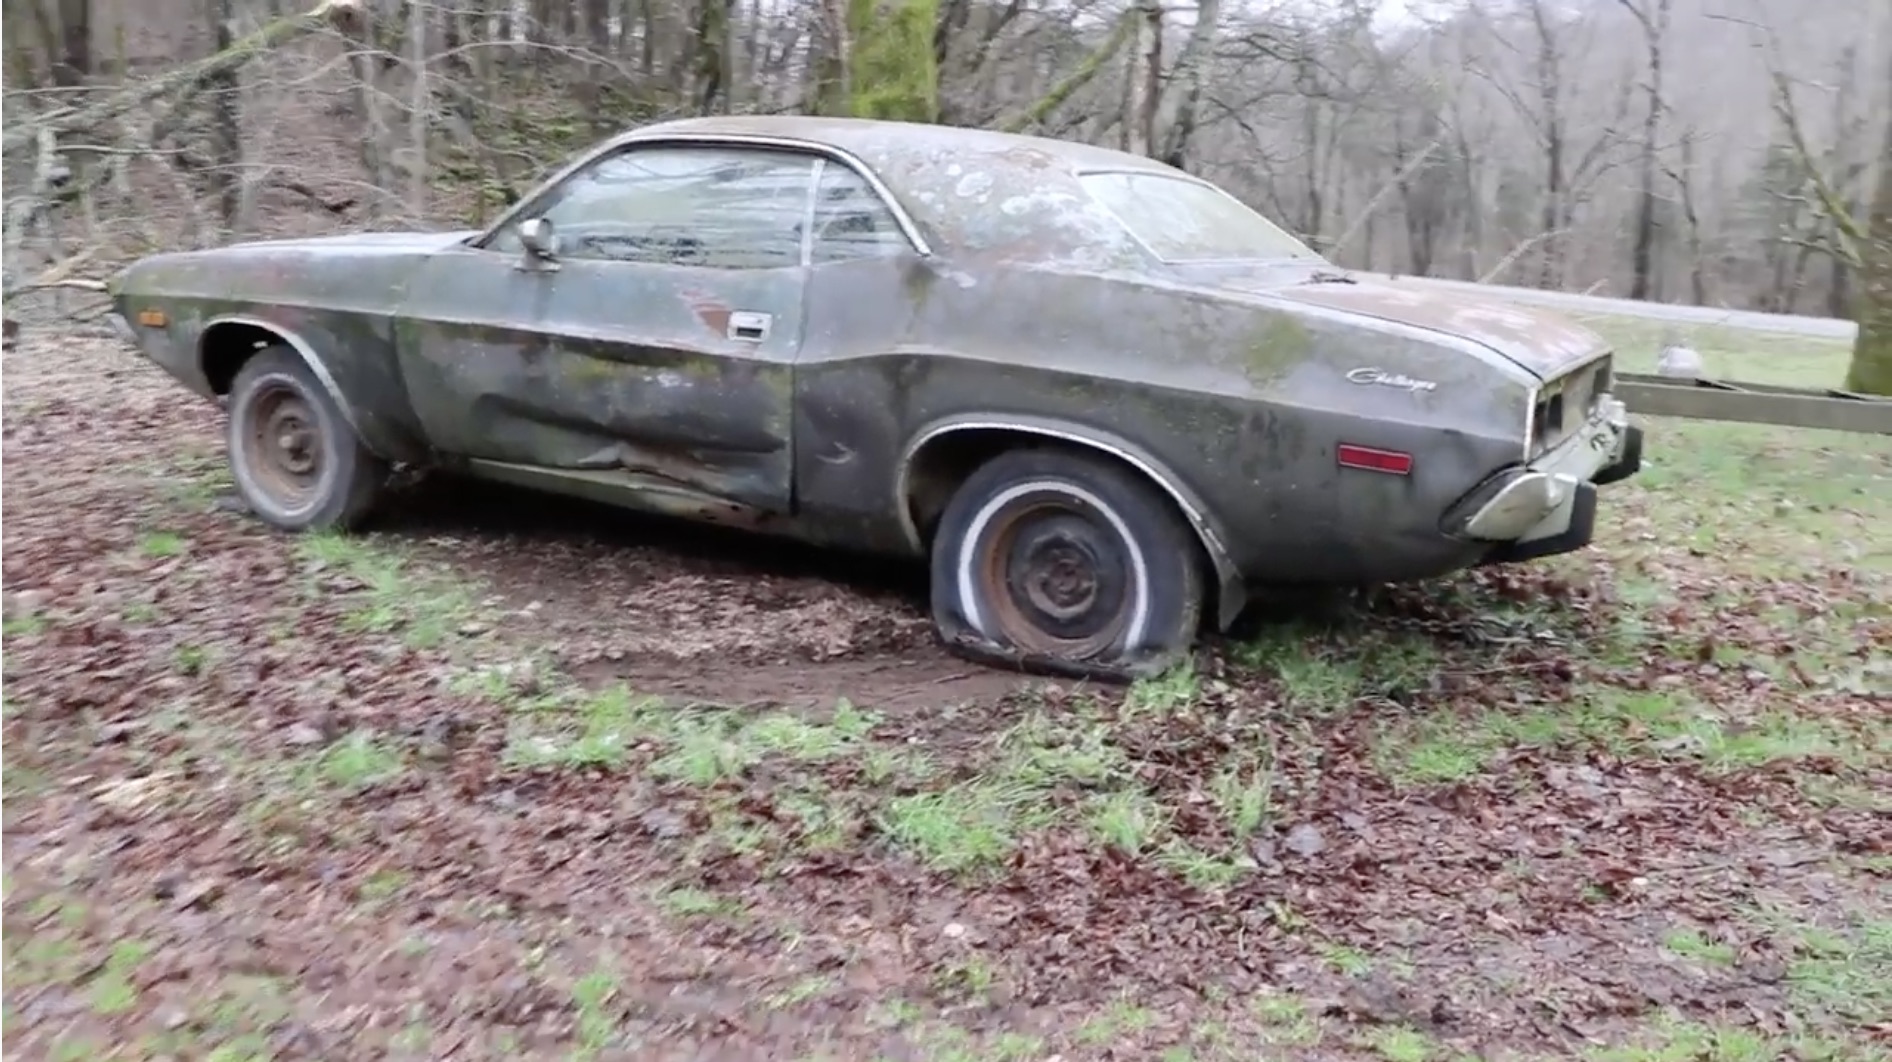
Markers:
point(157, 344)
point(123, 328)
point(1536, 508)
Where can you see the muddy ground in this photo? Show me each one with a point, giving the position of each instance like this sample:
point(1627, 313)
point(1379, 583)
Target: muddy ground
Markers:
point(518, 778)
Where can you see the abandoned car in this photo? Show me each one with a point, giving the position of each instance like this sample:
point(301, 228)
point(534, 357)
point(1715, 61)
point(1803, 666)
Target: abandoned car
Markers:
point(1104, 397)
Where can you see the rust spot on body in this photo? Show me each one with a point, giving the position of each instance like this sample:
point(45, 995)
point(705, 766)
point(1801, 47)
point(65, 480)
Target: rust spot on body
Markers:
point(713, 312)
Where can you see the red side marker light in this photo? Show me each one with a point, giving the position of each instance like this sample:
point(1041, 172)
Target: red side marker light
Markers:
point(1372, 460)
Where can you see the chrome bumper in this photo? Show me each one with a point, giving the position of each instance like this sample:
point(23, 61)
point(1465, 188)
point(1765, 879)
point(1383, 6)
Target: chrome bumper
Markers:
point(1539, 500)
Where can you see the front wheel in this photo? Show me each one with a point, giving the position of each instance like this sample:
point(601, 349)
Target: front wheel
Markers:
point(1068, 562)
point(296, 460)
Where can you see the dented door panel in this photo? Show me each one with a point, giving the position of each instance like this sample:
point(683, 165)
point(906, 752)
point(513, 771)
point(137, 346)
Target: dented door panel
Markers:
point(679, 372)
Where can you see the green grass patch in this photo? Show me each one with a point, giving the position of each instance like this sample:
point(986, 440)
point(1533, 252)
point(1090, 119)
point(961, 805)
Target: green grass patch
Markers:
point(1690, 944)
point(1286, 1021)
point(592, 996)
point(593, 729)
point(1041, 752)
point(191, 481)
point(359, 760)
point(1128, 820)
point(163, 544)
point(1315, 675)
point(426, 610)
point(965, 827)
point(1206, 870)
point(1120, 1020)
point(1843, 973)
point(683, 901)
point(1451, 749)
point(1244, 794)
point(1761, 500)
point(802, 990)
point(1400, 1043)
point(1173, 691)
point(696, 745)
point(1668, 1038)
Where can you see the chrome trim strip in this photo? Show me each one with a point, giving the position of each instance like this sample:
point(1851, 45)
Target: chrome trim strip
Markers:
point(808, 214)
point(1530, 421)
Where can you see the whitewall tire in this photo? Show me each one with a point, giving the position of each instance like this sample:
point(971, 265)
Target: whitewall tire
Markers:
point(1073, 561)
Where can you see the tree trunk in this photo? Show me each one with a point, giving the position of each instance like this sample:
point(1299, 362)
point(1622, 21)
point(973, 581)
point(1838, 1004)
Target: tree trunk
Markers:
point(892, 69)
point(1655, 28)
point(226, 159)
point(710, 64)
point(1871, 369)
point(419, 109)
point(22, 58)
point(1685, 188)
point(1182, 92)
point(75, 43)
point(1140, 87)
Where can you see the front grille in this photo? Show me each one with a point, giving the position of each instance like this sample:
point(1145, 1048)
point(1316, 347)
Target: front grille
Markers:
point(1563, 404)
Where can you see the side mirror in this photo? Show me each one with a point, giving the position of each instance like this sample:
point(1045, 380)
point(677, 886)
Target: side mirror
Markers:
point(539, 239)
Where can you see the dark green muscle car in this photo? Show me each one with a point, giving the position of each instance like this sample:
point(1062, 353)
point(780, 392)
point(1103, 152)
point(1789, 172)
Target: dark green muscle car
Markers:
point(1104, 397)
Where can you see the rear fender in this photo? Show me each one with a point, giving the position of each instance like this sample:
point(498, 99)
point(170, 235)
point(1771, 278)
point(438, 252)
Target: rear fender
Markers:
point(1231, 589)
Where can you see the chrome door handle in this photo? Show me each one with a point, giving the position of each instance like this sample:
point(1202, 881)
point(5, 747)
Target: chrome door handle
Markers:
point(749, 326)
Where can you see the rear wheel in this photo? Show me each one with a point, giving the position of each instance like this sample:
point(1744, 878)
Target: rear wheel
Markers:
point(1066, 561)
point(296, 461)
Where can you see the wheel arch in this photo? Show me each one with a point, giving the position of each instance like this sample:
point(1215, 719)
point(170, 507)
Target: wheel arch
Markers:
point(229, 341)
point(940, 456)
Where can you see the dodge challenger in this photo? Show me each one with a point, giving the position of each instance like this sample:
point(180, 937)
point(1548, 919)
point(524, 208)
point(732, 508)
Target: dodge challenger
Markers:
point(1104, 399)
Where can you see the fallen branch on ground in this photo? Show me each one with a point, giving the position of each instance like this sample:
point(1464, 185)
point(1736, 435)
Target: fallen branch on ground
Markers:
point(60, 275)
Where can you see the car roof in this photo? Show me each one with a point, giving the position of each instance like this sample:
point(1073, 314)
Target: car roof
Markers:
point(886, 143)
point(966, 189)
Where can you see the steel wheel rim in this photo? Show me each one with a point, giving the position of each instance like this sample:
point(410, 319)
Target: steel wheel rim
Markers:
point(285, 455)
point(1057, 579)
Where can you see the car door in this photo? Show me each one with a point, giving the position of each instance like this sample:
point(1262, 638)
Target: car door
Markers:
point(658, 341)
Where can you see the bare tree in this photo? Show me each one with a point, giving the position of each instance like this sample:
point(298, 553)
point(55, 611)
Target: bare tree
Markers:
point(1645, 145)
point(1653, 17)
point(1871, 368)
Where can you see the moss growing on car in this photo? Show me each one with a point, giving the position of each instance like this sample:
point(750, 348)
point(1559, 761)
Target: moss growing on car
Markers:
point(1276, 348)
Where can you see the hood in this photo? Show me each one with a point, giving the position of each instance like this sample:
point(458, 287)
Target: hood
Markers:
point(1543, 343)
point(359, 242)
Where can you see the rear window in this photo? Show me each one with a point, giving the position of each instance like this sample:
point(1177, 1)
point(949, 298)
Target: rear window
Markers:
point(1181, 220)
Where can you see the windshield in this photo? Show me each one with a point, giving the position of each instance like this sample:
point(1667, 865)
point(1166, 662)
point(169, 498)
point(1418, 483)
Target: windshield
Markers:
point(1181, 220)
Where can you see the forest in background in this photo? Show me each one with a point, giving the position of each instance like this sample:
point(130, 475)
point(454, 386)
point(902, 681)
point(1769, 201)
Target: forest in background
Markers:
point(1713, 152)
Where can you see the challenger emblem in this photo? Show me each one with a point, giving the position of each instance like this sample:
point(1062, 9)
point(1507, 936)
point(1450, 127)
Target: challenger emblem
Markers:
point(1389, 379)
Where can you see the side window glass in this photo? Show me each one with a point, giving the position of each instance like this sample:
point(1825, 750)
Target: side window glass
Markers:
point(726, 208)
point(851, 221)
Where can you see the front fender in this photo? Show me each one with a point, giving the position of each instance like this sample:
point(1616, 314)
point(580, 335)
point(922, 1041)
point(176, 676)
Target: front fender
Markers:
point(360, 375)
point(1232, 594)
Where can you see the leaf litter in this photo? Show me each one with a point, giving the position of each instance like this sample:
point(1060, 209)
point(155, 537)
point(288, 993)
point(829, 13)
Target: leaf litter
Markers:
point(255, 798)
